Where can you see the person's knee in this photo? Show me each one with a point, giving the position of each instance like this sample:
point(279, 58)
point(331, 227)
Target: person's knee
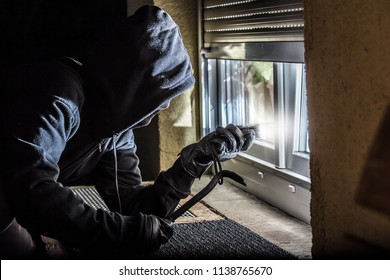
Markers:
point(16, 242)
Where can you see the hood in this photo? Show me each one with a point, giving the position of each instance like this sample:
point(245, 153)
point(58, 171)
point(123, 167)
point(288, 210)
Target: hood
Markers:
point(134, 70)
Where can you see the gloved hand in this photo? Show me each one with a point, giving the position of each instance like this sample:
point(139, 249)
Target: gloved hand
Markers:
point(223, 144)
point(153, 231)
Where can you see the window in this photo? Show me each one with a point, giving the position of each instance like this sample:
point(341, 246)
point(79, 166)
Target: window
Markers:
point(268, 96)
point(253, 74)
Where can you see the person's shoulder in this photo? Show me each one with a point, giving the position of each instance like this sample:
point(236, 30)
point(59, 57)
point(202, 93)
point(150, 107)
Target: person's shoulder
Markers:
point(65, 69)
point(63, 79)
point(42, 81)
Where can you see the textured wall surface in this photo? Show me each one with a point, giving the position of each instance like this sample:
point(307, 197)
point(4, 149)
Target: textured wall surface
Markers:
point(178, 124)
point(347, 58)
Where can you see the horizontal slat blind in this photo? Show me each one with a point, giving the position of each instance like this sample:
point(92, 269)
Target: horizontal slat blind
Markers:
point(252, 21)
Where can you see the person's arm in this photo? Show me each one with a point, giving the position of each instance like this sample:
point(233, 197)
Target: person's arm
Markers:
point(42, 204)
point(161, 197)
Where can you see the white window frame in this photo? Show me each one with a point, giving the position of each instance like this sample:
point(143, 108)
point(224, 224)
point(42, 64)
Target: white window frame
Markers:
point(278, 173)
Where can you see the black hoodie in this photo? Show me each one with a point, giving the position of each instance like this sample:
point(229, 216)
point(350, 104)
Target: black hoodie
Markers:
point(63, 123)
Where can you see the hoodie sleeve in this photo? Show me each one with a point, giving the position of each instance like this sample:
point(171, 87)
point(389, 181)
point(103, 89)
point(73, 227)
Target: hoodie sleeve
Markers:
point(42, 204)
point(159, 198)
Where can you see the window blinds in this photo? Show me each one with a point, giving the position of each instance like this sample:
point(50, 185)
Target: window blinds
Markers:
point(230, 21)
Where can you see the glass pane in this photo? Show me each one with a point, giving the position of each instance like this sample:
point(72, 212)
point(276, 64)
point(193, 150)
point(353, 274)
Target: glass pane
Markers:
point(302, 145)
point(247, 96)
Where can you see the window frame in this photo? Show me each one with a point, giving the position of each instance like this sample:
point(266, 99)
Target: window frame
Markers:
point(288, 111)
point(281, 187)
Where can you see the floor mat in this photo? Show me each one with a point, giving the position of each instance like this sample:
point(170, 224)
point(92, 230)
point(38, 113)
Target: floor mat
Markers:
point(202, 233)
point(220, 239)
point(198, 213)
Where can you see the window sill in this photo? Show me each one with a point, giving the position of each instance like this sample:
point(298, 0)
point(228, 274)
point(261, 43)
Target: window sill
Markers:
point(286, 190)
point(283, 173)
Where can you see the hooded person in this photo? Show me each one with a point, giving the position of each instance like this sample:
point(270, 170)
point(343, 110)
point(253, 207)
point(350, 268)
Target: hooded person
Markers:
point(67, 123)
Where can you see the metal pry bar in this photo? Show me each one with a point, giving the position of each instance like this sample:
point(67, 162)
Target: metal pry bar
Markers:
point(206, 190)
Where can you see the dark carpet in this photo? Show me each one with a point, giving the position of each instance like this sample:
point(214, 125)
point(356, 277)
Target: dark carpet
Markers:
point(219, 239)
point(216, 239)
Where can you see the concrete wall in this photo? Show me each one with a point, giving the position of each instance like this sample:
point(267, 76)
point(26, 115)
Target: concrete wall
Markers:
point(347, 58)
point(178, 124)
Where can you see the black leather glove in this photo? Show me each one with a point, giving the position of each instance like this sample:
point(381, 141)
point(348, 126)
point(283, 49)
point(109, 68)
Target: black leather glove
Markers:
point(153, 231)
point(222, 144)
